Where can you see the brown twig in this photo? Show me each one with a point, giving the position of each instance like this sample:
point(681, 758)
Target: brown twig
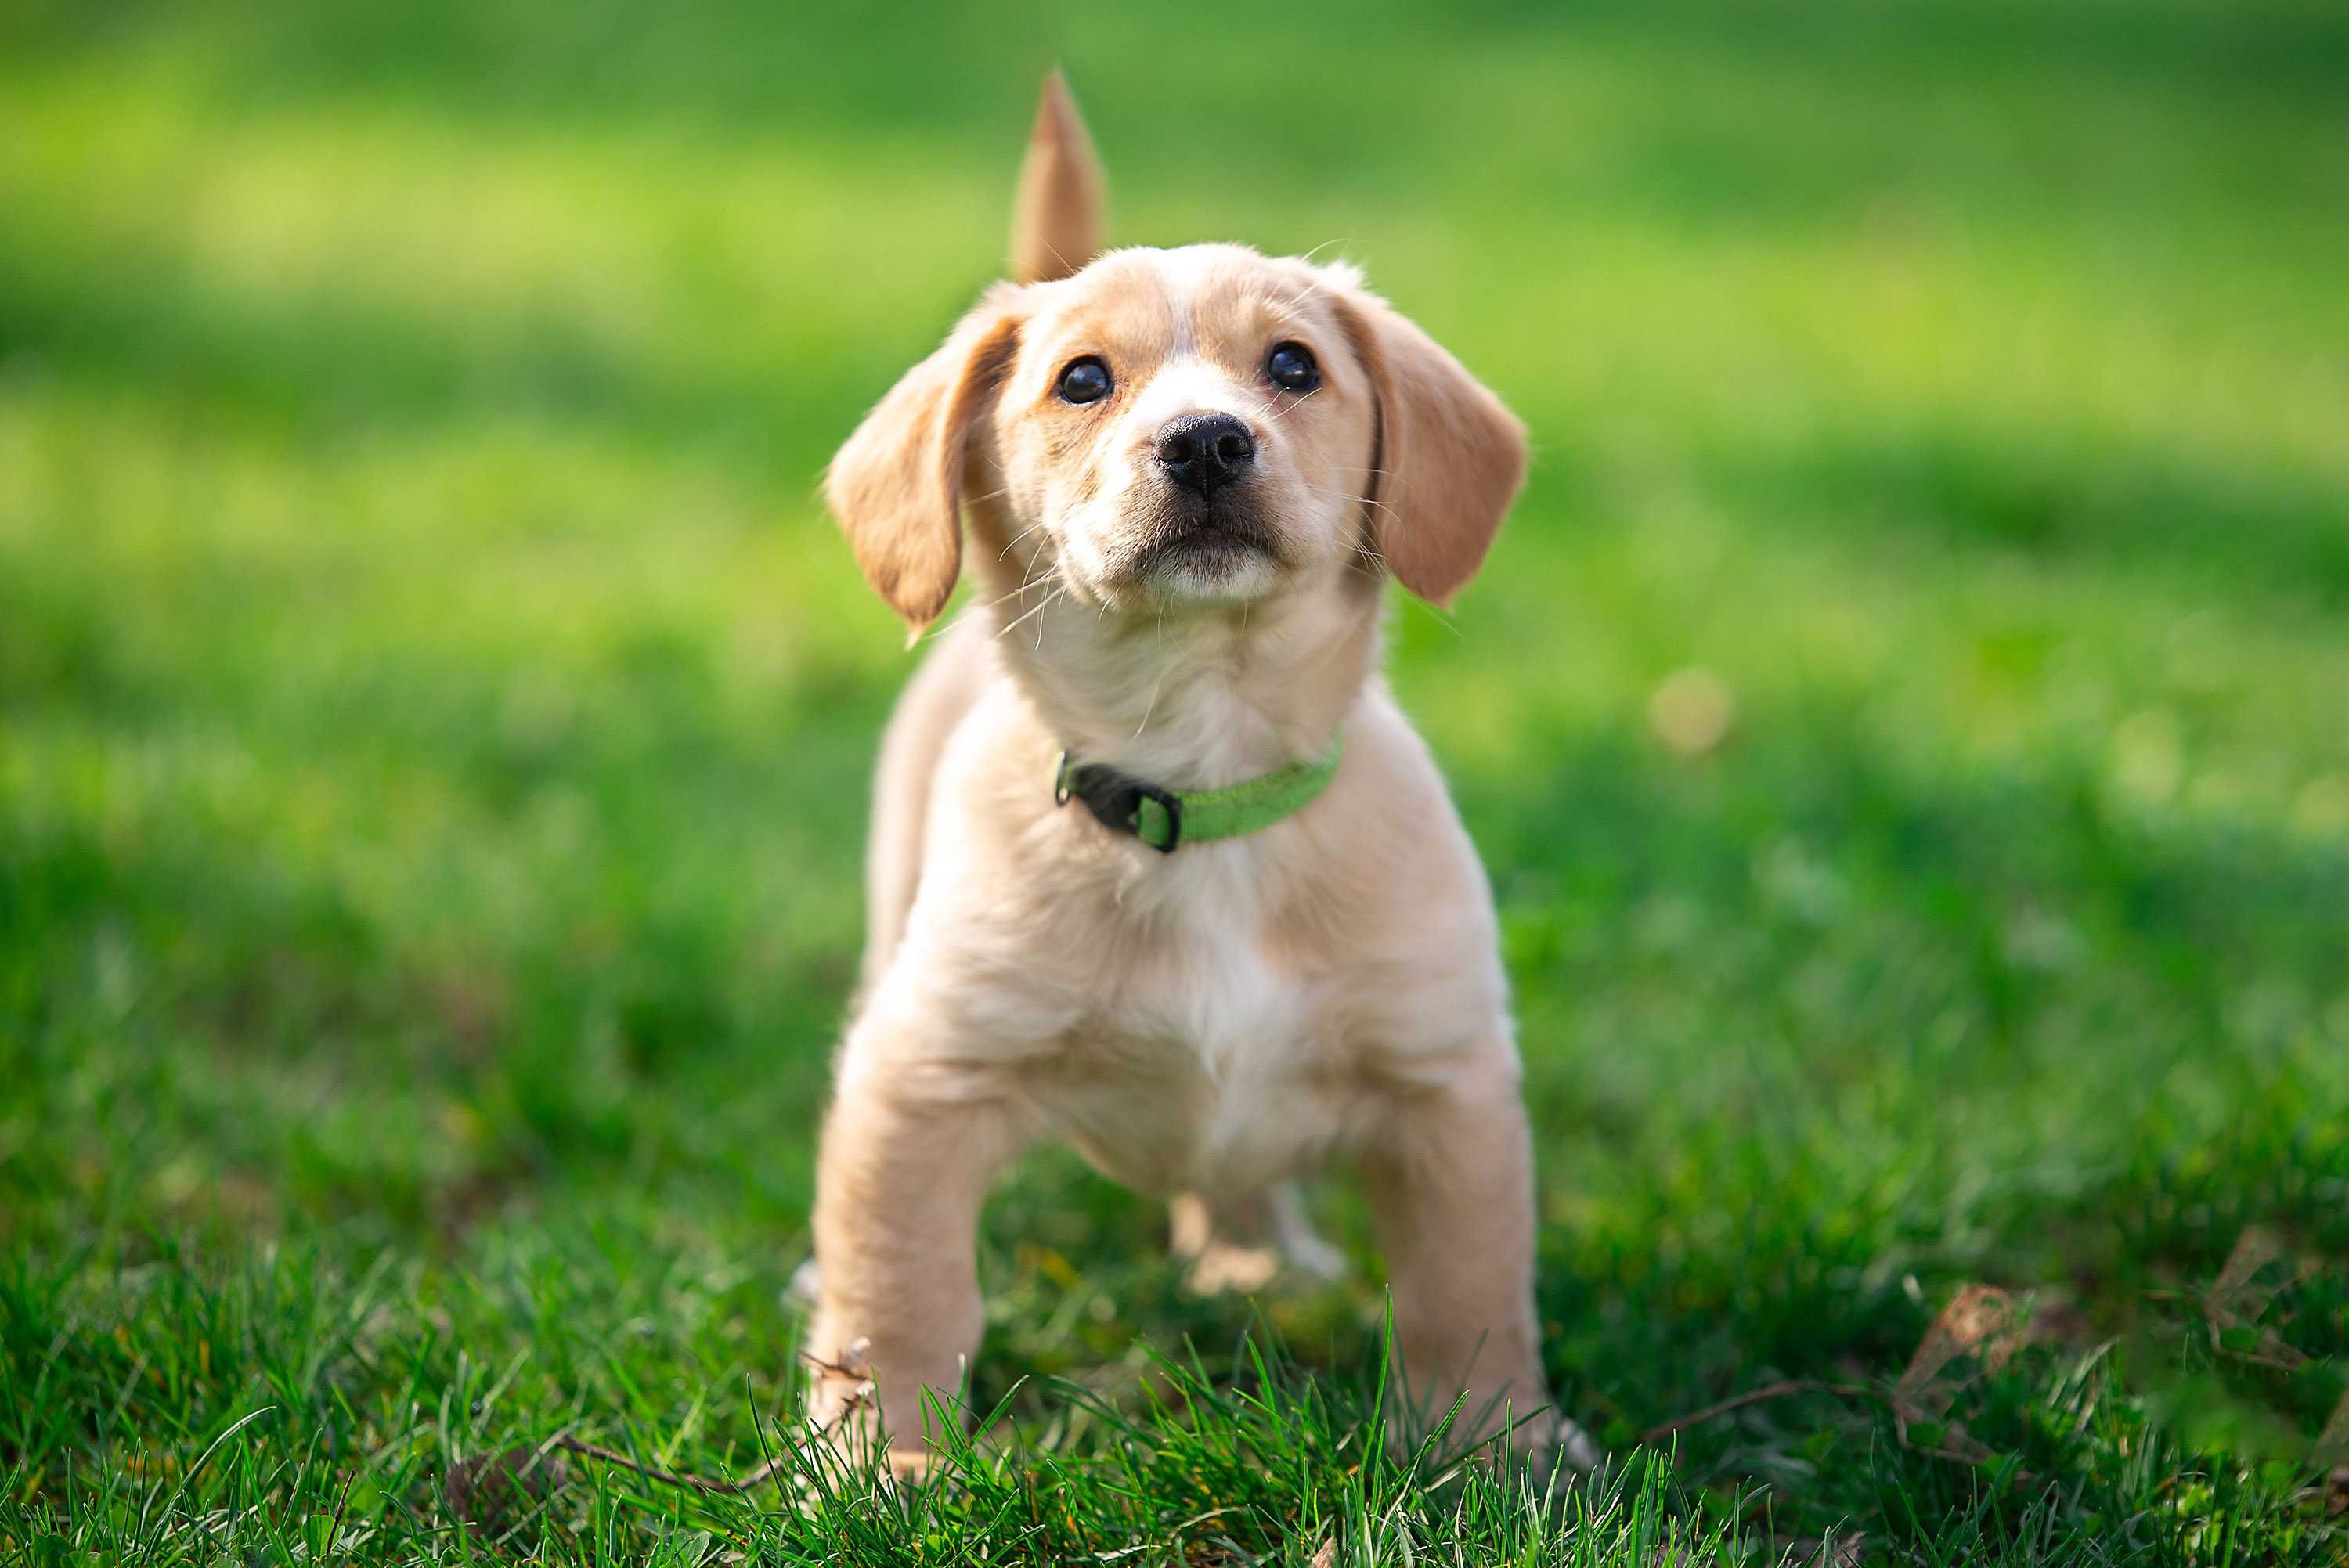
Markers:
point(853, 1364)
point(1973, 1453)
point(1765, 1393)
point(701, 1483)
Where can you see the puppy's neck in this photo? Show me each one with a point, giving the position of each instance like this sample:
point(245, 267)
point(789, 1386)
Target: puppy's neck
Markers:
point(1197, 697)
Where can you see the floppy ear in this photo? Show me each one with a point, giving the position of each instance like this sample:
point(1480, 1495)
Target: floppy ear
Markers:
point(896, 486)
point(1448, 458)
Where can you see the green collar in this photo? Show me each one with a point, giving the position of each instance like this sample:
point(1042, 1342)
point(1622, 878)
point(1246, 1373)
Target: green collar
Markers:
point(1166, 821)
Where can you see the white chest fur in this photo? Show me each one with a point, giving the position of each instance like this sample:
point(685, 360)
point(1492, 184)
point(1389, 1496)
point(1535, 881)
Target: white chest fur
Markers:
point(1204, 1064)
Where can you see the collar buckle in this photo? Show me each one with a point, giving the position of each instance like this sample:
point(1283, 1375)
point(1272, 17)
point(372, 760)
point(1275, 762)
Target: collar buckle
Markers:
point(1116, 800)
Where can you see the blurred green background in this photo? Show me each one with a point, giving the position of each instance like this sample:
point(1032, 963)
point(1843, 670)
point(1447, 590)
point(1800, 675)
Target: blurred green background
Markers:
point(435, 713)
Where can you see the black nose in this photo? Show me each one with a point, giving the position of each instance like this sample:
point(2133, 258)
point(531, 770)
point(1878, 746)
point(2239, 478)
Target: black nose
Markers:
point(1205, 451)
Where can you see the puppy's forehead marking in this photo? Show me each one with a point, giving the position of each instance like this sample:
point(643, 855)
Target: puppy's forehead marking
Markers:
point(1233, 289)
point(1195, 296)
point(1187, 273)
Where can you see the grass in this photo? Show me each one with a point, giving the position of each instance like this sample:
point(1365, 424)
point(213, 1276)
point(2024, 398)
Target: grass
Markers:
point(434, 716)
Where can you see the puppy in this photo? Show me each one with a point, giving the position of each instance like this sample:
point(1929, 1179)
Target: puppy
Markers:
point(1158, 867)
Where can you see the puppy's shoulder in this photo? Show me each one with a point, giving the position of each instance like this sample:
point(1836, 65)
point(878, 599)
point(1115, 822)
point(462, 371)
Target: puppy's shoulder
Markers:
point(1391, 800)
point(1385, 861)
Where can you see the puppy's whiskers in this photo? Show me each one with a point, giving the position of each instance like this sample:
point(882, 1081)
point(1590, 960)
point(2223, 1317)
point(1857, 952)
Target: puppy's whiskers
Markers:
point(1274, 413)
point(1159, 685)
point(1019, 536)
point(1060, 590)
point(1022, 591)
point(1326, 493)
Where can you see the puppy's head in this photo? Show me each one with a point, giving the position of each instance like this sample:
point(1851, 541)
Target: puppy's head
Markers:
point(1202, 425)
point(1159, 428)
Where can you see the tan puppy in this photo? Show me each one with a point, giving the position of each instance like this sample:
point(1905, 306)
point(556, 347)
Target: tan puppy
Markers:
point(1185, 475)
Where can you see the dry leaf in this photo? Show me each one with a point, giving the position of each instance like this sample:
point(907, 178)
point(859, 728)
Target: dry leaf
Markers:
point(2334, 1438)
point(2233, 1295)
point(2238, 1297)
point(1982, 1323)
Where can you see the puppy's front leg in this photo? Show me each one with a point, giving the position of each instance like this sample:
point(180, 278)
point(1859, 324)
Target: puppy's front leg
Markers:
point(1448, 1169)
point(907, 1155)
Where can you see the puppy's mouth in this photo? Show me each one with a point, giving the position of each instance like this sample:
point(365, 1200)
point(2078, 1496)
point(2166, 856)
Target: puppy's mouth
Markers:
point(1213, 538)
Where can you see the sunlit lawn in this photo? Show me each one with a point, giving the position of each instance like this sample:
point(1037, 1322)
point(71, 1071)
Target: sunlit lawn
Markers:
point(435, 716)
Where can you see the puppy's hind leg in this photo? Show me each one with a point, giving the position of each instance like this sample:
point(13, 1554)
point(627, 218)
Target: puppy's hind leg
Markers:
point(1449, 1174)
point(1241, 1244)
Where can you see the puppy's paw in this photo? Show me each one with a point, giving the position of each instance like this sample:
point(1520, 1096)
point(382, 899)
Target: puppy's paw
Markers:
point(805, 1287)
point(1550, 1441)
point(843, 1414)
point(848, 1461)
point(1219, 1266)
point(1312, 1258)
point(1245, 1244)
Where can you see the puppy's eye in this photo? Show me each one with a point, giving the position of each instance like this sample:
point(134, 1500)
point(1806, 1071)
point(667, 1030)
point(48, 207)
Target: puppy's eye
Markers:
point(1291, 366)
point(1085, 380)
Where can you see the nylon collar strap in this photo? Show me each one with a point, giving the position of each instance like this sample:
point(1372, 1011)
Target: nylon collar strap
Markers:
point(1166, 821)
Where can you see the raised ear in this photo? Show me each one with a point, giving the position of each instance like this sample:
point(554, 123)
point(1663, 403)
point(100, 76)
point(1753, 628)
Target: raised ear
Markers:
point(896, 484)
point(1056, 219)
point(1448, 459)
